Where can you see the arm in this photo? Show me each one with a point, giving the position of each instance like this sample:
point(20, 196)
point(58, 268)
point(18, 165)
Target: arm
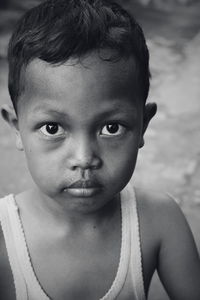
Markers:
point(178, 260)
point(7, 290)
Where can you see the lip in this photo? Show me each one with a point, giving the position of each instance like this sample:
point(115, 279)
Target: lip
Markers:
point(85, 184)
point(82, 192)
point(84, 188)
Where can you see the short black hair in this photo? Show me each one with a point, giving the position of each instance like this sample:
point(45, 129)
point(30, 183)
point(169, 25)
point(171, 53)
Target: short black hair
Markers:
point(57, 30)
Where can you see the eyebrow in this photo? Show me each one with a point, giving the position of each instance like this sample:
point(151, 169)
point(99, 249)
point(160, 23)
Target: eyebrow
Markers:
point(46, 111)
point(118, 109)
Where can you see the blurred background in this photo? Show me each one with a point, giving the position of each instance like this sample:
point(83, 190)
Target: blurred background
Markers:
point(170, 159)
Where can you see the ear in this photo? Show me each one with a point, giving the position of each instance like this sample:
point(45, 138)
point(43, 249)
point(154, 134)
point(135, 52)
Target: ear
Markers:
point(9, 115)
point(150, 110)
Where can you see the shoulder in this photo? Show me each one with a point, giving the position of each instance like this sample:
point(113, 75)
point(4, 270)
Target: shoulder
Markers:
point(153, 208)
point(165, 230)
point(154, 200)
point(161, 217)
point(6, 278)
point(158, 210)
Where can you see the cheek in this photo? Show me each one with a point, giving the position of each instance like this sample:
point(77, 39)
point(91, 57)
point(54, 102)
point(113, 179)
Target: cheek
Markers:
point(38, 167)
point(43, 166)
point(120, 161)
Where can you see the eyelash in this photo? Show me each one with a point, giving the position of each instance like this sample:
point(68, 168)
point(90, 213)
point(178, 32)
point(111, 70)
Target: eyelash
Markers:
point(58, 130)
point(44, 131)
point(120, 128)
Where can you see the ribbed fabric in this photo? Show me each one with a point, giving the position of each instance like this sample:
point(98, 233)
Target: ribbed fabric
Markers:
point(19, 282)
point(136, 257)
point(26, 283)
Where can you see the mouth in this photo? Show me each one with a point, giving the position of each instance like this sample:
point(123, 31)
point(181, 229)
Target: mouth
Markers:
point(84, 188)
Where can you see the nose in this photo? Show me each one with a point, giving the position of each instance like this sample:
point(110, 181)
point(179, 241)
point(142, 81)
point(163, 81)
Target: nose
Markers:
point(84, 155)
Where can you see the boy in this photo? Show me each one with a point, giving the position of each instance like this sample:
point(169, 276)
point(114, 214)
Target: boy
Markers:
point(79, 80)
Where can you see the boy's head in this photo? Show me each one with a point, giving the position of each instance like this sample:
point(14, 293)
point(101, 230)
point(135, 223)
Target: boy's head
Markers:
point(79, 79)
point(58, 30)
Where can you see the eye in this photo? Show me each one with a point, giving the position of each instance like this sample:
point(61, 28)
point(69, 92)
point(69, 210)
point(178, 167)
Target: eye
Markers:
point(113, 129)
point(52, 129)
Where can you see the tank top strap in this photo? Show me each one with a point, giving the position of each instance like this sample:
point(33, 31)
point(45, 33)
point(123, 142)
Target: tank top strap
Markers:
point(26, 283)
point(34, 288)
point(136, 253)
point(19, 281)
point(124, 260)
point(31, 290)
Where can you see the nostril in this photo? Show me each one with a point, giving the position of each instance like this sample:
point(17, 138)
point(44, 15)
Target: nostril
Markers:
point(84, 164)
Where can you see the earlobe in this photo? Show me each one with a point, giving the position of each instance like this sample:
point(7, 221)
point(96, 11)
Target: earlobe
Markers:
point(18, 140)
point(149, 112)
point(9, 115)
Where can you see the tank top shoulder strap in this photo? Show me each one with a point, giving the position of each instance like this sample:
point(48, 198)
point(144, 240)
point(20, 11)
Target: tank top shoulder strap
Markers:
point(26, 284)
point(136, 253)
point(19, 281)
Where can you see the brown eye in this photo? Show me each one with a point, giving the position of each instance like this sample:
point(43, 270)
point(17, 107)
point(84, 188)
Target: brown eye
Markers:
point(52, 129)
point(112, 129)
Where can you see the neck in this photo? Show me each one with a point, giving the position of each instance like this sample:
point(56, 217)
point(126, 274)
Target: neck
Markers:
point(53, 212)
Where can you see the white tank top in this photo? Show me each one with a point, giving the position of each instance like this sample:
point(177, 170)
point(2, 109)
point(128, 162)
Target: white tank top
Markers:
point(128, 283)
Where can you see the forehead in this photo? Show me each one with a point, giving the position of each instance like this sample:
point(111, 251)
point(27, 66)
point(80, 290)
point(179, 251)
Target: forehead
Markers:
point(90, 82)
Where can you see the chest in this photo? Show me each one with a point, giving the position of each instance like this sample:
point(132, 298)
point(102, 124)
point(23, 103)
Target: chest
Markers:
point(81, 264)
point(85, 269)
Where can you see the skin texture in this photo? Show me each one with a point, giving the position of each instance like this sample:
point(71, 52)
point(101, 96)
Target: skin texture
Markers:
point(84, 122)
point(80, 149)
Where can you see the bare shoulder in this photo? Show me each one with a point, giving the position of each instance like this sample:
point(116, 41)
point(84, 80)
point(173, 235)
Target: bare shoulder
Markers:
point(161, 218)
point(7, 290)
point(162, 214)
point(155, 200)
point(164, 229)
point(157, 211)
point(153, 211)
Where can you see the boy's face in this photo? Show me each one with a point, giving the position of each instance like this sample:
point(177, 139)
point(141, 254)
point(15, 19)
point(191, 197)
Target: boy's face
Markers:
point(81, 126)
